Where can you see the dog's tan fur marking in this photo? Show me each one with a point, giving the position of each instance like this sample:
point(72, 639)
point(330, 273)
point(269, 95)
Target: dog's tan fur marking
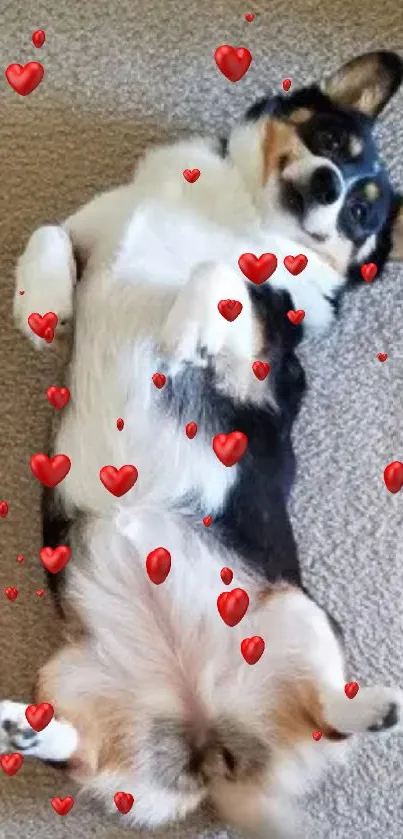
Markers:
point(280, 142)
point(299, 712)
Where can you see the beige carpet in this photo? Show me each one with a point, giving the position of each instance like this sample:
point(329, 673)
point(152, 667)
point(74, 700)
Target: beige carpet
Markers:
point(119, 76)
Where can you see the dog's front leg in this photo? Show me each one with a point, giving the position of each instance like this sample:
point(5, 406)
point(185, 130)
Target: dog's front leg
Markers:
point(57, 742)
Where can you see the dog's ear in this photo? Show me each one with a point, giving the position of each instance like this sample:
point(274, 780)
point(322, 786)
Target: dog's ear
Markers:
point(366, 83)
point(397, 231)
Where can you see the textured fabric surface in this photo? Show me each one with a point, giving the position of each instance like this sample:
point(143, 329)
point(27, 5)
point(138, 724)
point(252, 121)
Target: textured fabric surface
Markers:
point(117, 77)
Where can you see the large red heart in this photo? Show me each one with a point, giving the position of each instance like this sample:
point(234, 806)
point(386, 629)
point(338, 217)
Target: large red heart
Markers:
point(261, 370)
point(296, 317)
point(252, 649)
point(58, 396)
point(44, 325)
point(24, 79)
point(3, 509)
point(351, 689)
point(229, 448)
point(369, 271)
point(55, 559)
point(10, 764)
point(158, 564)
point(39, 716)
point(232, 62)
point(296, 264)
point(258, 269)
point(232, 605)
point(191, 175)
point(393, 476)
point(118, 481)
point(62, 805)
point(124, 801)
point(11, 593)
point(229, 309)
point(50, 471)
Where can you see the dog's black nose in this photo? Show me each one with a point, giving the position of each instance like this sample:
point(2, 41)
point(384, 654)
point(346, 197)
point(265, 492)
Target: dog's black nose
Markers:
point(325, 186)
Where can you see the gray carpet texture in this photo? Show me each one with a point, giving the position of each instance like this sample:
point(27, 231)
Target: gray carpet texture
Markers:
point(119, 76)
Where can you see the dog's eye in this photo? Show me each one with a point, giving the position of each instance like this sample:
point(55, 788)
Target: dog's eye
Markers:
point(329, 142)
point(359, 211)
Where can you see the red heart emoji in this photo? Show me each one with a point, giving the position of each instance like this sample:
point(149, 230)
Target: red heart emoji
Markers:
point(124, 801)
point(55, 559)
point(20, 558)
point(21, 292)
point(351, 689)
point(317, 735)
point(258, 269)
point(158, 564)
point(232, 605)
point(296, 317)
point(229, 309)
point(232, 62)
point(38, 38)
point(50, 471)
point(118, 481)
point(252, 649)
point(393, 476)
point(382, 356)
point(191, 175)
point(207, 521)
point(191, 430)
point(39, 716)
point(369, 271)
point(226, 575)
point(24, 79)
point(120, 424)
point(10, 764)
point(159, 380)
point(249, 17)
point(40, 592)
point(58, 396)
point(44, 325)
point(11, 593)
point(261, 370)
point(3, 509)
point(295, 264)
point(229, 448)
point(62, 805)
point(286, 84)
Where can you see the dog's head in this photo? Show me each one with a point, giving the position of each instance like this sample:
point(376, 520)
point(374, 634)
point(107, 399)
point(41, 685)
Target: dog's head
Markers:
point(323, 178)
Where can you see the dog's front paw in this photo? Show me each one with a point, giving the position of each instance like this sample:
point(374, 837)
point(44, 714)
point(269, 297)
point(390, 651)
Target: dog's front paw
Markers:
point(45, 280)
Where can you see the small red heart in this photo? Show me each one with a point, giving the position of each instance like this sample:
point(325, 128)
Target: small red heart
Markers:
point(258, 269)
point(21, 292)
point(286, 84)
point(229, 448)
point(39, 716)
point(232, 605)
point(232, 62)
point(351, 689)
point(20, 558)
point(124, 801)
point(120, 424)
point(382, 356)
point(58, 396)
point(3, 509)
point(261, 370)
point(191, 175)
point(296, 317)
point(11, 593)
point(369, 271)
point(252, 649)
point(393, 476)
point(317, 735)
point(207, 521)
point(158, 564)
point(159, 380)
point(40, 592)
point(10, 764)
point(229, 309)
point(50, 471)
point(24, 79)
point(191, 430)
point(249, 17)
point(55, 559)
point(118, 481)
point(226, 575)
point(295, 264)
point(38, 38)
point(62, 805)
